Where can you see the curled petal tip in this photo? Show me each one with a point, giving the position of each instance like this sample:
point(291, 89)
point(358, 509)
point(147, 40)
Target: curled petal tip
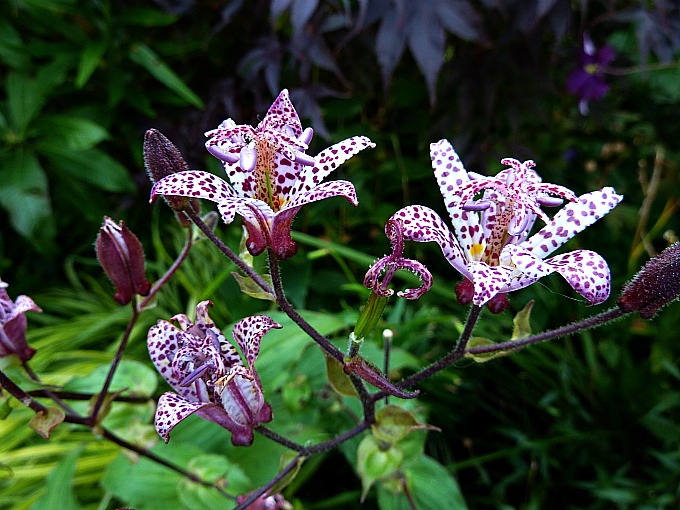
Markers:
point(304, 159)
point(221, 154)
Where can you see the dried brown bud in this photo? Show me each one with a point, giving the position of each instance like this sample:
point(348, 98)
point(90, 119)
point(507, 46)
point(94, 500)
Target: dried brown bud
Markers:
point(162, 158)
point(656, 284)
point(120, 255)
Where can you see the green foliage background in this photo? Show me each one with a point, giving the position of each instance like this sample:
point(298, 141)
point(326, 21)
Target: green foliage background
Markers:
point(587, 422)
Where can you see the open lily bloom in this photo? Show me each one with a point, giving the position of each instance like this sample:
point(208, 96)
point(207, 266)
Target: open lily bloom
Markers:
point(271, 176)
point(490, 244)
point(208, 374)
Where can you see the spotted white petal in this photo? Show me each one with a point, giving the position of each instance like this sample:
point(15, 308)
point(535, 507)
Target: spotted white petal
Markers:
point(323, 191)
point(193, 184)
point(328, 160)
point(248, 334)
point(572, 219)
point(171, 410)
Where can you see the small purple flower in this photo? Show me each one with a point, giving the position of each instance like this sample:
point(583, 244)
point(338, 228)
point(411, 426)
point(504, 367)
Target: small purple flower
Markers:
point(271, 176)
point(587, 81)
point(13, 325)
point(208, 374)
point(491, 246)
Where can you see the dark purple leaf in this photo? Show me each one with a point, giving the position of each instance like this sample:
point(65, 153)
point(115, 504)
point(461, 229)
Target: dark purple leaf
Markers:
point(390, 42)
point(461, 19)
point(426, 40)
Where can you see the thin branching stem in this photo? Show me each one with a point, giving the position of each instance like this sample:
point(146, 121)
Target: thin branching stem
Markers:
point(228, 252)
point(253, 496)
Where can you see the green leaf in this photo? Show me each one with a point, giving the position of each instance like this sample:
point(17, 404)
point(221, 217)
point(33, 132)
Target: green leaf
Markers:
point(522, 322)
point(392, 424)
point(91, 166)
point(67, 132)
point(144, 56)
point(252, 289)
point(429, 484)
point(477, 341)
point(44, 422)
point(216, 469)
point(24, 100)
point(90, 57)
point(24, 194)
point(134, 376)
point(338, 379)
point(59, 484)
point(146, 17)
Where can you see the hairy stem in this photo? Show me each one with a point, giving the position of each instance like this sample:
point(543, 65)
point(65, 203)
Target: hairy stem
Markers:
point(228, 252)
point(591, 322)
point(253, 496)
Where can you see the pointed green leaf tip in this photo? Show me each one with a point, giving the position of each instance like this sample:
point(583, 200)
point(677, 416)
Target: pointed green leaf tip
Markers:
point(392, 424)
point(522, 322)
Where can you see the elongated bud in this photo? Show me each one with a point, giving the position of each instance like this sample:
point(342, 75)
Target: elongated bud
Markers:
point(369, 373)
point(656, 284)
point(370, 315)
point(120, 255)
point(162, 158)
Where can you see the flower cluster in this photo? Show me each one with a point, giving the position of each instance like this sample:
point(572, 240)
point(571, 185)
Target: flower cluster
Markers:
point(208, 374)
point(271, 177)
point(490, 243)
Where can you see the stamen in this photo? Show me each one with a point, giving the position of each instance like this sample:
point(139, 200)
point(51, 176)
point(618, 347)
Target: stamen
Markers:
point(222, 155)
point(479, 205)
point(304, 159)
point(306, 136)
point(248, 158)
point(548, 201)
point(194, 375)
point(515, 229)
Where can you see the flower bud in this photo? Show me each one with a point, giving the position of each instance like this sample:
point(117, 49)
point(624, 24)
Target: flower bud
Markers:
point(162, 158)
point(655, 285)
point(120, 255)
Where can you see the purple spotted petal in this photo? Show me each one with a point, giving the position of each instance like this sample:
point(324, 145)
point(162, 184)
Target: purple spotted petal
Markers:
point(193, 184)
point(572, 219)
point(242, 397)
point(488, 281)
point(328, 160)
point(163, 341)
point(323, 191)
point(422, 224)
point(171, 410)
point(587, 273)
point(282, 112)
point(248, 334)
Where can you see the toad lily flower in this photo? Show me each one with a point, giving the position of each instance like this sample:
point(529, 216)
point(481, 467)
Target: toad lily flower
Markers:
point(13, 325)
point(491, 247)
point(271, 176)
point(208, 374)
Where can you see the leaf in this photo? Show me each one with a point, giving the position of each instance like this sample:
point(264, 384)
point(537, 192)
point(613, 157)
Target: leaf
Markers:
point(338, 379)
point(390, 43)
point(90, 57)
point(461, 19)
point(477, 341)
point(252, 289)
point(429, 484)
point(144, 56)
point(522, 322)
point(91, 166)
point(286, 458)
point(426, 40)
point(69, 132)
point(217, 469)
point(24, 194)
point(134, 376)
point(44, 422)
point(59, 495)
point(375, 460)
point(392, 424)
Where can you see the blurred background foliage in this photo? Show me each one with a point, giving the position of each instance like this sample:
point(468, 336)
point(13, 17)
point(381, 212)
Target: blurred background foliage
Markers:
point(589, 422)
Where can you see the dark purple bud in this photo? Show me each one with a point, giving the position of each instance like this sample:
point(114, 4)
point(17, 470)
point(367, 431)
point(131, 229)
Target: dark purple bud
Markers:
point(465, 291)
point(372, 375)
point(656, 285)
point(120, 255)
point(498, 303)
point(162, 158)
